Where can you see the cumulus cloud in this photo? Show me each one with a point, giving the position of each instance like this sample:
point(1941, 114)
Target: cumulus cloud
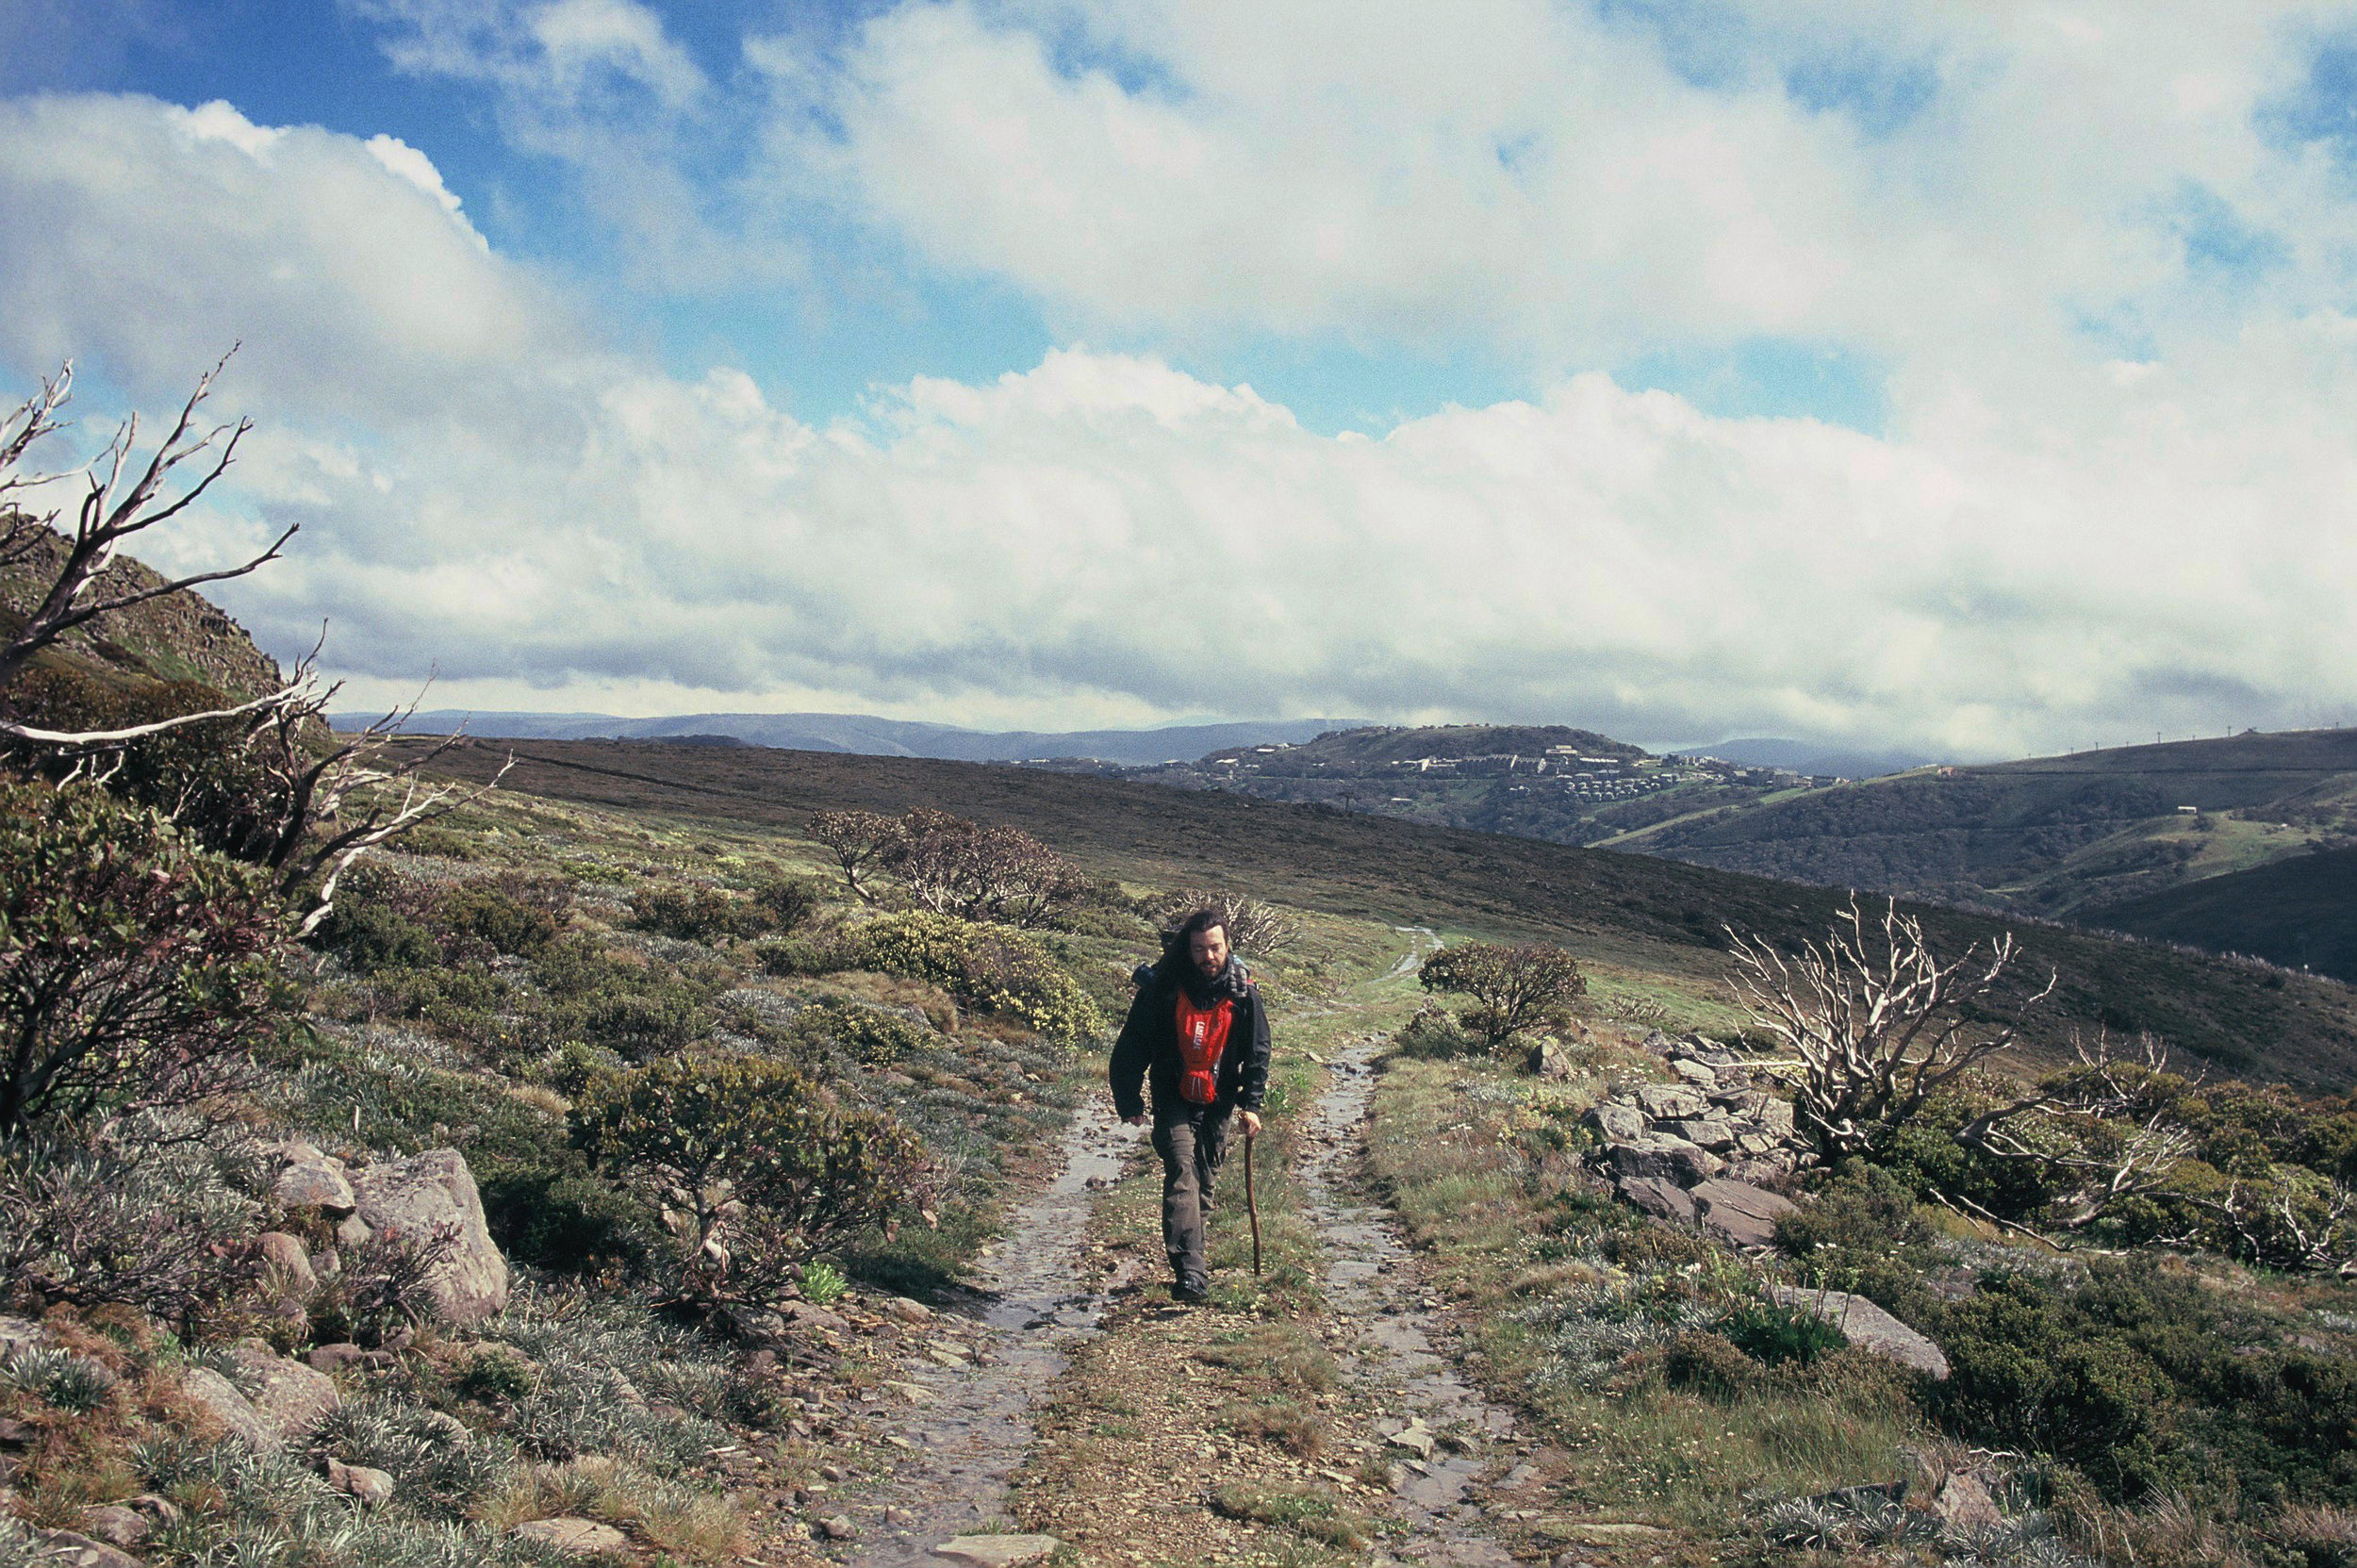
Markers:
point(150, 238)
point(1104, 530)
point(488, 490)
point(1579, 183)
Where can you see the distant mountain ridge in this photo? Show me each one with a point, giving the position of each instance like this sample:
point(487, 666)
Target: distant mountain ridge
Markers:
point(1813, 757)
point(867, 734)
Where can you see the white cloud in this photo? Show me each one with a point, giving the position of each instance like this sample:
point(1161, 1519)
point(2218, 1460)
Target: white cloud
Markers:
point(487, 490)
point(150, 238)
point(1545, 179)
point(1104, 534)
point(407, 162)
point(560, 53)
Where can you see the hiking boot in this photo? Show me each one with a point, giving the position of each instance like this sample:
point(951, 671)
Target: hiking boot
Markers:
point(1193, 1289)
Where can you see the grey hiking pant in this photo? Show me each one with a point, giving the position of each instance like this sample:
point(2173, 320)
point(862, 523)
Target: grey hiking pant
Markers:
point(1192, 1140)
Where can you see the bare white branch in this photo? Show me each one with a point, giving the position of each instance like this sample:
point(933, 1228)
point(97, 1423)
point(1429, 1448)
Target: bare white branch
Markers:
point(1871, 1022)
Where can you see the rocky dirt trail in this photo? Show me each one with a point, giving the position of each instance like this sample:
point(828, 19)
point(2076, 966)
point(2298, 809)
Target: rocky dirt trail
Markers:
point(960, 1417)
point(1066, 1398)
point(1392, 1337)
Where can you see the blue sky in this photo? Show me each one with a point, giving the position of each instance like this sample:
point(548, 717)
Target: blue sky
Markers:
point(1662, 366)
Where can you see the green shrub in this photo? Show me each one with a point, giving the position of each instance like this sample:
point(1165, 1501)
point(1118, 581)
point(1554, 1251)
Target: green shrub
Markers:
point(759, 1169)
point(1860, 1232)
point(1437, 1034)
point(636, 1013)
point(695, 914)
point(1514, 988)
point(384, 920)
point(990, 968)
point(494, 1375)
point(2147, 1382)
point(822, 1284)
point(786, 903)
point(1709, 1363)
point(869, 1033)
point(142, 1214)
point(803, 954)
point(136, 969)
point(1772, 1333)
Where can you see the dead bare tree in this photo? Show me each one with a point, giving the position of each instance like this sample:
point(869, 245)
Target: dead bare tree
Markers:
point(1255, 927)
point(980, 873)
point(307, 806)
point(2272, 1226)
point(110, 511)
point(2114, 1139)
point(1871, 1020)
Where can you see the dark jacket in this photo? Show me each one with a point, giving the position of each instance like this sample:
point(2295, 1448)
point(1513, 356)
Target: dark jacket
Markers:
point(1148, 1046)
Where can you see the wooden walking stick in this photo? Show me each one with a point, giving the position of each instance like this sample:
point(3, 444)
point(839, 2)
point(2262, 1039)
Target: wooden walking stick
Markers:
point(1251, 1205)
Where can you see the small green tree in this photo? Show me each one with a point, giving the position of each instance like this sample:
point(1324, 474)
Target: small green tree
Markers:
point(1514, 988)
point(136, 969)
point(757, 1169)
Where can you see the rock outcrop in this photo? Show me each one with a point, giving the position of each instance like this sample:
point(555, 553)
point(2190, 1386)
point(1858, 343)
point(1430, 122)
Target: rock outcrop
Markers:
point(432, 1195)
point(1694, 1152)
point(1868, 1326)
point(287, 1399)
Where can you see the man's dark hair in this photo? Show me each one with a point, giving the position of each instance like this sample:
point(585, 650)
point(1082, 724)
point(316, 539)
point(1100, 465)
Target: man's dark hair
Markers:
point(1178, 958)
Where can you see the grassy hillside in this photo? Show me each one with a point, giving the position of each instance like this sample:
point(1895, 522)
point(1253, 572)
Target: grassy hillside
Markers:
point(1650, 927)
point(180, 636)
point(2051, 835)
point(2300, 912)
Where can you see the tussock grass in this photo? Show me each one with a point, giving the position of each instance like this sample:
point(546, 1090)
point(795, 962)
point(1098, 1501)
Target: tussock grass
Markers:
point(697, 1525)
point(1275, 1419)
point(1313, 1514)
point(1279, 1354)
point(1574, 1323)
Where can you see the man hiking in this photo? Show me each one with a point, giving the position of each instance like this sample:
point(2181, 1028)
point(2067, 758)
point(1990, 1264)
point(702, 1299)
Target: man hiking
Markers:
point(1197, 1035)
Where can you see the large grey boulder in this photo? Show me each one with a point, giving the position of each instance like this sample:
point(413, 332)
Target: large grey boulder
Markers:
point(1660, 1198)
point(431, 1194)
point(1868, 1326)
point(579, 1537)
point(1736, 1212)
point(314, 1181)
point(998, 1551)
point(217, 1397)
point(21, 1333)
point(1673, 1159)
point(71, 1549)
point(1711, 1132)
point(290, 1397)
point(1669, 1102)
point(1616, 1120)
point(1697, 1073)
point(285, 1259)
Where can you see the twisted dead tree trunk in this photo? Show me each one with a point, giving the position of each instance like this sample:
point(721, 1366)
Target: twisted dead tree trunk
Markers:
point(2114, 1140)
point(110, 511)
point(1872, 1021)
point(319, 804)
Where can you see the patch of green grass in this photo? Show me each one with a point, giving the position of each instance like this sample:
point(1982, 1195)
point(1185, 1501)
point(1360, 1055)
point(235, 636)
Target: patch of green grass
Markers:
point(1313, 1514)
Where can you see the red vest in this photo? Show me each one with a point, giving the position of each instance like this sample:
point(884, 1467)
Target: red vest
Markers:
point(1202, 1036)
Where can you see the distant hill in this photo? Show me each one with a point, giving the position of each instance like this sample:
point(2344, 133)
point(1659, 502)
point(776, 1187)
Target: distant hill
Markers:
point(180, 636)
point(1814, 758)
point(1631, 912)
point(2300, 912)
point(1380, 744)
point(867, 734)
point(2052, 836)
